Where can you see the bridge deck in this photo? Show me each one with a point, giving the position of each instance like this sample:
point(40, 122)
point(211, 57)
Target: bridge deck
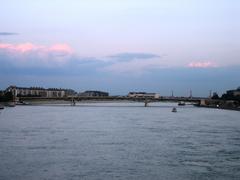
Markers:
point(113, 98)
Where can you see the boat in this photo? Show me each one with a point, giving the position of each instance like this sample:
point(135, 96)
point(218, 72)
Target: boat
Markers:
point(22, 103)
point(174, 109)
point(181, 103)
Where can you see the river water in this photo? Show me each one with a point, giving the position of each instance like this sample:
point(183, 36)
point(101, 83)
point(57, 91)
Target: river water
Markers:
point(118, 141)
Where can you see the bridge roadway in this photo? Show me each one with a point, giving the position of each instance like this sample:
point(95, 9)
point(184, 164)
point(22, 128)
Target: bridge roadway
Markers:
point(115, 98)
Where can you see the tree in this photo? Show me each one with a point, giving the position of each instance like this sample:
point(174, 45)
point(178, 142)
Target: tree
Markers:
point(8, 96)
point(215, 96)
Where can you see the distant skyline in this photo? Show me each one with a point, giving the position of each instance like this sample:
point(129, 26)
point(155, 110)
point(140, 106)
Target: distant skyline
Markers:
point(122, 45)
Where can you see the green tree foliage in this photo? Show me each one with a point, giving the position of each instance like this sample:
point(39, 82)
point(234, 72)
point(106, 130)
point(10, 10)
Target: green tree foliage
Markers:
point(215, 96)
point(230, 97)
point(8, 96)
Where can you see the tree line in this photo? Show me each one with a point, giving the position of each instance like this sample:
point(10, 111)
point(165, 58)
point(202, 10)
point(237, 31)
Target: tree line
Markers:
point(6, 96)
point(226, 96)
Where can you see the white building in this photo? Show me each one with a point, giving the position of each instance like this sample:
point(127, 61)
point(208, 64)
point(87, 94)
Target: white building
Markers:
point(36, 92)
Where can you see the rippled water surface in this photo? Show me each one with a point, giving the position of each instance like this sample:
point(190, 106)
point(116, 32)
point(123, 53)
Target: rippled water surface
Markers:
point(118, 141)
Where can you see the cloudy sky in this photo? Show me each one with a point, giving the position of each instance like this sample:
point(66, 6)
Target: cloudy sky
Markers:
point(121, 45)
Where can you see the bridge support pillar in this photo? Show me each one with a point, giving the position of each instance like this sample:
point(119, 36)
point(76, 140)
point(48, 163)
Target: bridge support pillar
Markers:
point(145, 103)
point(73, 103)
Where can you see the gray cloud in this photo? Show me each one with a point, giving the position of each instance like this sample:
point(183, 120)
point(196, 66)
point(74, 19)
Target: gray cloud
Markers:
point(7, 33)
point(133, 62)
point(133, 56)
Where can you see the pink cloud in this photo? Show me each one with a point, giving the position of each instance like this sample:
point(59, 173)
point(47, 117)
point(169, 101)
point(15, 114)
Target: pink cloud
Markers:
point(21, 48)
point(34, 54)
point(29, 47)
point(207, 64)
point(62, 48)
point(25, 47)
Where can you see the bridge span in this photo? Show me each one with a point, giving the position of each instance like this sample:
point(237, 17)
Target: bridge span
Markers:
point(72, 100)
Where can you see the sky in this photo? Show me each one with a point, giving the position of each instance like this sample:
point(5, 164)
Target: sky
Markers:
point(121, 45)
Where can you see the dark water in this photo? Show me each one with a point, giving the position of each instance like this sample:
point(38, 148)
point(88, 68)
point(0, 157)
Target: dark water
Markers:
point(118, 141)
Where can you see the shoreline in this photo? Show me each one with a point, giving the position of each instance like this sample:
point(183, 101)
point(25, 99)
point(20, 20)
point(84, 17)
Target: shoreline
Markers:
point(223, 108)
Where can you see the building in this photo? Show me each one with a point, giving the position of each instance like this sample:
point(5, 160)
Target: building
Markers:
point(234, 93)
point(38, 92)
point(55, 92)
point(143, 95)
point(94, 94)
point(70, 92)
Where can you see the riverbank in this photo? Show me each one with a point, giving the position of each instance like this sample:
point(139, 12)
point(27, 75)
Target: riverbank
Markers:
point(219, 107)
point(220, 104)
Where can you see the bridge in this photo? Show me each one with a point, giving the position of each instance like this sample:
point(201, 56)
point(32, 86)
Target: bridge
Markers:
point(73, 99)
